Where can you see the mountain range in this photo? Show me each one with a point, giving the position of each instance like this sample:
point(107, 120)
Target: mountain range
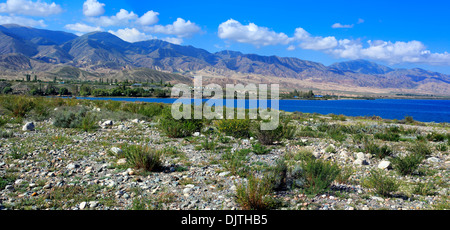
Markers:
point(47, 54)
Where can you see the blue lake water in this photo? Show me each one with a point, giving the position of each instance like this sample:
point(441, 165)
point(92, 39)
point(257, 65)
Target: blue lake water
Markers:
point(420, 110)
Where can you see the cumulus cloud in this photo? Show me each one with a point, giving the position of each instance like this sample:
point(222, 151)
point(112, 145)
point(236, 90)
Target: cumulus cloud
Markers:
point(251, 33)
point(22, 21)
point(83, 28)
point(340, 26)
point(314, 42)
point(131, 35)
point(93, 8)
point(181, 28)
point(123, 17)
point(173, 40)
point(149, 18)
point(391, 52)
point(30, 8)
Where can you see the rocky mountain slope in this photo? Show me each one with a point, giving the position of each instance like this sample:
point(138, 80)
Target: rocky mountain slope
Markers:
point(24, 49)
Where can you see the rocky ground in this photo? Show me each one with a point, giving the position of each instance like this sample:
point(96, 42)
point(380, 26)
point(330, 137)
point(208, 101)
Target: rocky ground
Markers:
point(44, 167)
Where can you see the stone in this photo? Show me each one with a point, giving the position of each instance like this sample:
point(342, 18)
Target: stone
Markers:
point(72, 166)
point(83, 205)
point(116, 150)
point(224, 173)
point(384, 165)
point(121, 127)
point(360, 156)
point(360, 162)
point(433, 160)
point(29, 126)
point(196, 134)
point(107, 123)
point(93, 204)
point(135, 120)
point(122, 161)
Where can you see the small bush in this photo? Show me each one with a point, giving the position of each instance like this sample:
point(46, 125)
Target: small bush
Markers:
point(436, 137)
point(344, 175)
point(235, 162)
point(238, 128)
point(178, 128)
point(441, 147)
point(317, 175)
point(6, 134)
point(381, 183)
point(277, 176)
point(424, 189)
point(142, 157)
point(77, 117)
point(255, 194)
point(7, 179)
point(387, 136)
point(259, 149)
point(421, 148)
point(209, 144)
point(19, 106)
point(408, 164)
point(267, 137)
point(377, 151)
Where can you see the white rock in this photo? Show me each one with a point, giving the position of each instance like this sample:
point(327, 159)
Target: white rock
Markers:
point(29, 126)
point(116, 150)
point(93, 204)
point(224, 173)
point(107, 123)
point(135, 121)
point(122, 161)
point(433, 160)
point(360, 156)
point(196, 134)
point(83, 205)
point(384, 165)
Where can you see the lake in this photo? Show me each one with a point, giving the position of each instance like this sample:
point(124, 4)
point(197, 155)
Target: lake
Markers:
point(420, 110)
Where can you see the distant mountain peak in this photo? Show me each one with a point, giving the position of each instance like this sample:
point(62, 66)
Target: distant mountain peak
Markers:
point(362, 66)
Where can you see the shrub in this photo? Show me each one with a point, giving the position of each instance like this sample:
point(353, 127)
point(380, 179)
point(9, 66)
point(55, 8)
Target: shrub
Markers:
point(381, 183)
point(408, 164)
point(259, 149)
point(19, 106)
point(178, 128)
point(436, 137)
point(344, 175)
point(409, 120)
point(209, 144)
point(421, 148)
point(424, 189)
point(81, 118)
point(88, 123)
point(267, 137)
point(235, 162)
point(387, 136)
point(6, 134)
point(317, 175)
point(238, 128)
point(277, 177)
point(377, 151)
point(441, 147)
point(7, 179)
point(142, 157)
point(255, 194)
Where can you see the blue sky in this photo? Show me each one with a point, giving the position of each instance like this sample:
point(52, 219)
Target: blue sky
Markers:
point(400, 34)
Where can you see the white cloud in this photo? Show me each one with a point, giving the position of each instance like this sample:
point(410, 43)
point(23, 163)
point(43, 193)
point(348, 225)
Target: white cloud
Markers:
point(21, 21)
point(149, 18)
point(80, 27)
point(314, 43)
point(360, 21)
point(131, 35)
point(123, 17)
point(173, 40)
point(391, 52)
point(180, 28)
point(93, 8)
point(30, 8)
point(251, 33)
point(340, 26)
